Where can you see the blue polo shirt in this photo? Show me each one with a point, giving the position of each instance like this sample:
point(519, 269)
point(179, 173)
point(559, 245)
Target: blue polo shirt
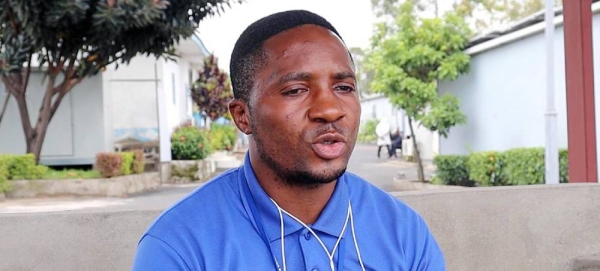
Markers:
point(215, 228)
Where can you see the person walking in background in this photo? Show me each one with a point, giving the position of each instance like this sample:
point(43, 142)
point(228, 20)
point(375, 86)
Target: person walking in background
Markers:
point(396, 138)
point(383, 136)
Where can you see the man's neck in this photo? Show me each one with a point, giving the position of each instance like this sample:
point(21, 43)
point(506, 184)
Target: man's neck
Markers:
point(305, 203)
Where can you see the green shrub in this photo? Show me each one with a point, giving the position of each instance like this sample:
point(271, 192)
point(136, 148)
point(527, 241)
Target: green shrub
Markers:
point(487, 168)
point(109, 164)
point(563, 165)
point(222, 137)
point(524, 166)
point(189, 143)
point(23, 167)
point(5, 185)
point(452, 170)
point(366, 132)
point(127, 162)
point(527, 166)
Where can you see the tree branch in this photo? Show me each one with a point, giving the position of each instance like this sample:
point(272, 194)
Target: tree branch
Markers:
point(4, 106)
point(27, 73)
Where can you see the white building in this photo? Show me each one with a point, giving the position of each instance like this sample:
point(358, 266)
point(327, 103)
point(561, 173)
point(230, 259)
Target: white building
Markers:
point(504, 95)
point(114, 105)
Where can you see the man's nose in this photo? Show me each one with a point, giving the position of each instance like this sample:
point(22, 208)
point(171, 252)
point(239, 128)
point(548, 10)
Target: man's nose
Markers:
point(325, 106)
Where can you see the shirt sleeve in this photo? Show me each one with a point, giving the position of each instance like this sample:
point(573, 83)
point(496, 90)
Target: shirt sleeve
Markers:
point(428, 256)
point(154, 254)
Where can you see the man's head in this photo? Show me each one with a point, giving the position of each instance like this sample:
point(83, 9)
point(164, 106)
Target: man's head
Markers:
point(296, 94)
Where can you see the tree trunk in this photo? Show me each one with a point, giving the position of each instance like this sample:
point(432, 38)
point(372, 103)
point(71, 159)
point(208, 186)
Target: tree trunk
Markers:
point(417, 154)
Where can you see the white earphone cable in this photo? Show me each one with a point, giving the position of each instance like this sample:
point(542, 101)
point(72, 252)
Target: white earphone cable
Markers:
point(349, 217)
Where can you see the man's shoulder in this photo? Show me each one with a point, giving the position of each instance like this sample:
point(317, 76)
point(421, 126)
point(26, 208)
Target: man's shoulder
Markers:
point(372, 197)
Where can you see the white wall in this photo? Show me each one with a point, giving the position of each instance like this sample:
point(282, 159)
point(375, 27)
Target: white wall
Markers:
point(504, 99)
point(176, 82)
point(75, 134)
point(132, 90)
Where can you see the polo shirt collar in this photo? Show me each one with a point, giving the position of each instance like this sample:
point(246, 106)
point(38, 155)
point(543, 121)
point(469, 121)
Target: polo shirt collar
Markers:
point(331, 221)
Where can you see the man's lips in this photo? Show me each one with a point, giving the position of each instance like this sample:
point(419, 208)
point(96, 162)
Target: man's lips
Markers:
point(329, 146)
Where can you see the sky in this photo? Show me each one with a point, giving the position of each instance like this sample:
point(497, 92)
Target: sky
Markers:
point(353, 19)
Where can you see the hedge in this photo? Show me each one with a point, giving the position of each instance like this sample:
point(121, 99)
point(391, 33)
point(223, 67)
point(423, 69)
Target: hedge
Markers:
point(452, 170)
point(521, 166)
point(18, 167)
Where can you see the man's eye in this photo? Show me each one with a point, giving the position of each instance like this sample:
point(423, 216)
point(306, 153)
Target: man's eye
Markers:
point(345, 88)
point(293, 92)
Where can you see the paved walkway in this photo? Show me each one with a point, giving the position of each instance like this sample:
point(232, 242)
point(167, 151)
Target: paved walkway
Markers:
point(364, 162)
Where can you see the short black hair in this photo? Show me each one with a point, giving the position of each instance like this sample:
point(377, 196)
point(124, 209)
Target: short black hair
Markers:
point(248, 55)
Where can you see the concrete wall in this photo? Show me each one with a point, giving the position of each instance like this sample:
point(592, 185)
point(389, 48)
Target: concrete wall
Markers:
point(513, 228)
point(504, 96)
point(502, 228)
point(74, 135)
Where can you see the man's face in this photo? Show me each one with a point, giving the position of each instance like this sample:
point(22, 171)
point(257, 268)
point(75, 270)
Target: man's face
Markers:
point(304, 105)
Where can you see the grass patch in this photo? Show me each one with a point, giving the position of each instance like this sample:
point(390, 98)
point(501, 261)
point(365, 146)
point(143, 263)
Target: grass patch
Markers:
point(54, 174)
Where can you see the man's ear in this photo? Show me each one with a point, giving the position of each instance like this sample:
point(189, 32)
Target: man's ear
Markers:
point(241, 115)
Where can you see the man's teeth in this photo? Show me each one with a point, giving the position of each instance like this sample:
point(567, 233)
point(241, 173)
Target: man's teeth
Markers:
point(327, 142)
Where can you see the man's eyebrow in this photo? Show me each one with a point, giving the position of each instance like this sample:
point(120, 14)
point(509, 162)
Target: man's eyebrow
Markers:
point(295, 76)
point(343, 75)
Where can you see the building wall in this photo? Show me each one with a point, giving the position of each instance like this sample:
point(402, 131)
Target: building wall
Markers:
point(80, 113)
point(132, 90)
point(504, 97)
point(176, 84)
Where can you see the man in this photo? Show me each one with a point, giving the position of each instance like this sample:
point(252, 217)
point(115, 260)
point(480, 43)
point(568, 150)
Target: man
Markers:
point(291, 206)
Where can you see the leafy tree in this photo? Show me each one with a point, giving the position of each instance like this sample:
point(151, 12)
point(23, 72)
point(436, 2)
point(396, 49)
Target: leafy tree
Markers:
point(364, 76)
point(480, 15)
point(212, 91)
point(410, 57)
point(73, 39)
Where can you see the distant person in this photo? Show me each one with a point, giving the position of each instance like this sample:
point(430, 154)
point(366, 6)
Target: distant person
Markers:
point(396, 138)
point(382, 130)
point(292, 205)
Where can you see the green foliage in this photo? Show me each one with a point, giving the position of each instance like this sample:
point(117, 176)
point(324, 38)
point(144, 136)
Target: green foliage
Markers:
point(127, 161)
point(222, 137)
point(23, 167)
point(366, 132)
point(524, 166)
point(212, 91)
point(527, 166)
point(95, 33)
point(521, 166)
point(452, 170)
point(18, 167)
point(563, 163)
point(481, 15)
point(5, 185)
point(71, 174)
point(487, 168)
point(411, 56)
point(189, 143)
